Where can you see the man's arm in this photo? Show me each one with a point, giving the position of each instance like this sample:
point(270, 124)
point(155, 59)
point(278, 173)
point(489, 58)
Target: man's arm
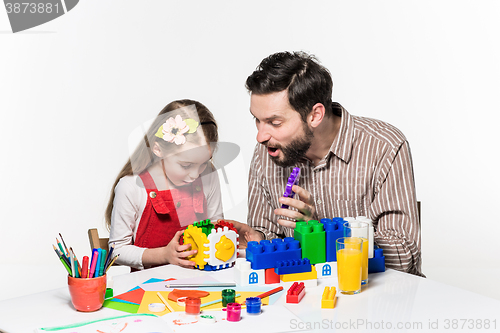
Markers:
point(394, 210)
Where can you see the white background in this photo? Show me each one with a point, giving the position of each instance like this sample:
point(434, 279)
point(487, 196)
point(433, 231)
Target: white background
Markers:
point(72, 91)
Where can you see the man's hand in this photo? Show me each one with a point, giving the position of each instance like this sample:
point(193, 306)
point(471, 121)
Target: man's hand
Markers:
point(304, 205)
point(246, 233)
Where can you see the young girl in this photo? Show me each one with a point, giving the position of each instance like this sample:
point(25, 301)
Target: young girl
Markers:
point(167, 184)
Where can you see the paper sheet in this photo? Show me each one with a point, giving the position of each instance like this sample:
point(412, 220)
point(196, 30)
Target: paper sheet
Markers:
point(274, 318)
point(125, 324)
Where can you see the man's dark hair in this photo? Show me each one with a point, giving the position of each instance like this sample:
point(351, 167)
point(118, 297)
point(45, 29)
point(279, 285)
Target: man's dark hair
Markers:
point(301, 74)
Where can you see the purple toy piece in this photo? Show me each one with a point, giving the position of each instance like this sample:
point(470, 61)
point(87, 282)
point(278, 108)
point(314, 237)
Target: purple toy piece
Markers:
point(292, 180)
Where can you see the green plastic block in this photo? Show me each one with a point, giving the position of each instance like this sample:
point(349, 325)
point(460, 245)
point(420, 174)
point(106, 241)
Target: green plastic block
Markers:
point(312, 238)
point(205, 225)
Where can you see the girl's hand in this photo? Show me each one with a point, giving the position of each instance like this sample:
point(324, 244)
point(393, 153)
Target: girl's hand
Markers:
point(176, 254)
point(305, 208)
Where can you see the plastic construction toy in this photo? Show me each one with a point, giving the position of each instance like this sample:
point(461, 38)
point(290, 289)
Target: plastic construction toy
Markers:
point(334, 229)
point(312, 275)
point(328, 299)
point(293, 266)
point(267, 253)
point(311, 236)
point(377, 263)
point(295, 293)
point(217, 244)
point(271, 276)
point(324, 270)
point(244, 275)
point(292, 180)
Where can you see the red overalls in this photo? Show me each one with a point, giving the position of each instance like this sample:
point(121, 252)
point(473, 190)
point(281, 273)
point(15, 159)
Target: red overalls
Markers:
point(166, 210)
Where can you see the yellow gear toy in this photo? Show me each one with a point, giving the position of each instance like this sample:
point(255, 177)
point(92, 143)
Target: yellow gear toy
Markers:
point(199, 241)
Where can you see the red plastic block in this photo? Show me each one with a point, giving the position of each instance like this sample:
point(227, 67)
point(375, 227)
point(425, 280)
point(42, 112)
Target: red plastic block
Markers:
point(271, 276)
point(295, 293)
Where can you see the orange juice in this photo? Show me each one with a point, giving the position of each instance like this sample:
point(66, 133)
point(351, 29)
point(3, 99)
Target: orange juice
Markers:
point(364, 262)
point(349, 270)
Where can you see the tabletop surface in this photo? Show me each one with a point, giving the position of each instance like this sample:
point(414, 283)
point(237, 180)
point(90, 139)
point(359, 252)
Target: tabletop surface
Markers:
point(392, 300)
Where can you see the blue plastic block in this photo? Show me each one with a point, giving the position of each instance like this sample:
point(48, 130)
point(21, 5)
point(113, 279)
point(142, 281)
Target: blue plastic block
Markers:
point(293, 266)
point(334, 229)
point(377, 263)
point(265, 254)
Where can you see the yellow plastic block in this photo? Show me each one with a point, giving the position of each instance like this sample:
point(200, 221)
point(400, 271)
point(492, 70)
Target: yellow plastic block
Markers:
point(312, 275)
point(328, 299)
point(199, 241)
point(225, 249)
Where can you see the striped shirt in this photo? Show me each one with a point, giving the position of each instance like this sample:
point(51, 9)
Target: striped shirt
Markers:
point(367, 172)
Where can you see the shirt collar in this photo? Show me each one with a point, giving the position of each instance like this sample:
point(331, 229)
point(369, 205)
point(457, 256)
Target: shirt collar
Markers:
point(342, 145)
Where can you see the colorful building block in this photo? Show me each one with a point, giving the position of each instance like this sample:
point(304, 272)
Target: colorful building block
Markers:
point(292, 266)
point(334, 229)
point(271, 276)
point(217, 245)
point(266, 253)
point(311, 236)
point(223, 245)
point(194, 235)
point(377, 263)
point(328, 299)
point(244, 275)
point(295, 293)
point(205, 225)
point(324, 270)
point(312, 275)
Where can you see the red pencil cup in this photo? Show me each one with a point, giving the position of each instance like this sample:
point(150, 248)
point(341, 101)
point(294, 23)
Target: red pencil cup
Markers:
point(87, 294)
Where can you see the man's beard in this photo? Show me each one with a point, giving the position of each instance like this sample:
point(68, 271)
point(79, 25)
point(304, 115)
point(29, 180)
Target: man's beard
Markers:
point(295, 150)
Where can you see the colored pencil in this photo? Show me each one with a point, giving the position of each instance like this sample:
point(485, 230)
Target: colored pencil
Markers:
point(64, 243)
point(60, 246)
point(270, 292)
point(111, 263)
point(65, 265)
point(165, 302)
point(109, 257)
point(77, 262)
point(72, 260)
point(85, 267)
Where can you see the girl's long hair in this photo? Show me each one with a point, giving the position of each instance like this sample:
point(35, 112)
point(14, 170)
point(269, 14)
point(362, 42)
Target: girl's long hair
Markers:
point(143, 156)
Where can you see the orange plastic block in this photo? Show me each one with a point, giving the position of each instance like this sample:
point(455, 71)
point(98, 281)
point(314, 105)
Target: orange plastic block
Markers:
point(271, 276)
point(295, 293)
point(329, 298)
point(312, 275)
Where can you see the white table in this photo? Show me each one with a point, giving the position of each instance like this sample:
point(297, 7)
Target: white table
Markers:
point(391, 299)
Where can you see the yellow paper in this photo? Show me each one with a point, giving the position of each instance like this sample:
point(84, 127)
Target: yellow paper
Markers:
point(151, 297)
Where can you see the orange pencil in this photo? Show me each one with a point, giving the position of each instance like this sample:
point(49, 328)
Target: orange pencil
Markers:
point(270, 292)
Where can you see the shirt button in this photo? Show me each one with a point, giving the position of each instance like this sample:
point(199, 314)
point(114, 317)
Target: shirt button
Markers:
point(152, 195)
point(178, 204)
point(319, 202)
point(198, 189)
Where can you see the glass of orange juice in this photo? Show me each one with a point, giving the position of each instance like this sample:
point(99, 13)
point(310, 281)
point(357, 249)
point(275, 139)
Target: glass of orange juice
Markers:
point(349, 254)
point(360, 230)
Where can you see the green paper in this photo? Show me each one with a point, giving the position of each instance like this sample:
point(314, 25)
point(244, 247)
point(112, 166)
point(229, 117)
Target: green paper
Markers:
point(125, 307)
